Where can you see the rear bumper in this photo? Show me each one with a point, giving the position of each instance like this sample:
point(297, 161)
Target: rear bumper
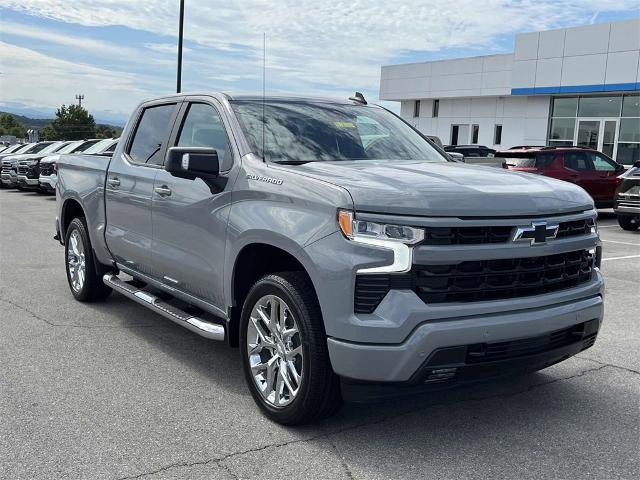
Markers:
point(401, 363)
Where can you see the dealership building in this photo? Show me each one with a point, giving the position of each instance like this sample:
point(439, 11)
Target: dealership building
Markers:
point(575, 86)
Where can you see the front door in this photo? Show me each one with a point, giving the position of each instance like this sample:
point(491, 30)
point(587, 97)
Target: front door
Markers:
point(190, 216)
point(598, 134)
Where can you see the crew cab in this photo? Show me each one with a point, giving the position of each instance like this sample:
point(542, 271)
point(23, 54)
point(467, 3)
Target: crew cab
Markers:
point(47, 176)
point(585, 167)
point(342, 266)
point(627, 199)
point(475, 155)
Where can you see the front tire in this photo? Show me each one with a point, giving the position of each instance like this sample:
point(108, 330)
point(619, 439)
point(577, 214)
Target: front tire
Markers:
point(284, 351)
point(84, 281)
point(628, 222)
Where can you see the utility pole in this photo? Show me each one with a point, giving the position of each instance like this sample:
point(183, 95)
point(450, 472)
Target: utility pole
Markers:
point(180, 37)
point(80, 97)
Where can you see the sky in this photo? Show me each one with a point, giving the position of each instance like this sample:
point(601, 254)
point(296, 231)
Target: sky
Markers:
point(119, 53)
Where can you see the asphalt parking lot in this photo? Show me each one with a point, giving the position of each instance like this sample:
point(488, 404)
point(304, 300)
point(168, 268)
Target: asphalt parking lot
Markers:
point(114, 391)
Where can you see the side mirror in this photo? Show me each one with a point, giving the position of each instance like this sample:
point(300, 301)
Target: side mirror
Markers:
point(192, 162)
point(620, 167)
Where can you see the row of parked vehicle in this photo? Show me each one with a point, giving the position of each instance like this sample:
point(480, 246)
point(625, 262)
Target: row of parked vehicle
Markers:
point(33, 166)
point(609, 183)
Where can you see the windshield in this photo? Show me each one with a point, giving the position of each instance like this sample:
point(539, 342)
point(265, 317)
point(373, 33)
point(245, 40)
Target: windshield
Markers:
point(85, 146)
point(298, 132)
point(38, 147)
point(13, 148)
point(54, 147)
point(71, 146)
point(98, 147)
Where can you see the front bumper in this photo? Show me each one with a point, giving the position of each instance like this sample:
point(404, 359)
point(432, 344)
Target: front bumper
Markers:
point(48, 182)
point(25, 181)
point(402, 363)
point(9, 180)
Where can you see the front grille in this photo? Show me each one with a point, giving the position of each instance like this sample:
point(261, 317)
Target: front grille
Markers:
point(22, 170)
point(46, 169)
point(481, 280)
point(493, 352)
point(495, 234)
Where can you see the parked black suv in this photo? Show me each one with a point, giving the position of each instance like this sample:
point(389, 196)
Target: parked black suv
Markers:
point(627, 199)
point(471, 150)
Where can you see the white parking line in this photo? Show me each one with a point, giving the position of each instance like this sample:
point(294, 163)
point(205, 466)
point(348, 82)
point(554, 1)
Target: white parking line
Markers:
point(620, 258)
point(622, 243)
point(607, 226)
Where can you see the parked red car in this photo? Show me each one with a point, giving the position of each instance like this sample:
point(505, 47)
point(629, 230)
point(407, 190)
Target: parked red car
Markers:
point(590, 169)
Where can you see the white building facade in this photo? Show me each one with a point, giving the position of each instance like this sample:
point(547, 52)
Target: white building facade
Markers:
point(575, 86)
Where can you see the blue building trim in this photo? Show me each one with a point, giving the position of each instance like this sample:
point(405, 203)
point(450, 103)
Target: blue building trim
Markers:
point(612, 87)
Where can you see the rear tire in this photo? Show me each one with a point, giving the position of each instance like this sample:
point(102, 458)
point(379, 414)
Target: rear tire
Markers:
point(85, 282)
point(306, 388)
point(628, 222)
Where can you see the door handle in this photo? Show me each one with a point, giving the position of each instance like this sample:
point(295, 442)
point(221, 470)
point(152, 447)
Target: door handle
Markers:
point(163, 191)
point(114, 182)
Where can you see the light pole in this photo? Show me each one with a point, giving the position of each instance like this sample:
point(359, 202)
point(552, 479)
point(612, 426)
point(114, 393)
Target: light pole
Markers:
point(180, 37)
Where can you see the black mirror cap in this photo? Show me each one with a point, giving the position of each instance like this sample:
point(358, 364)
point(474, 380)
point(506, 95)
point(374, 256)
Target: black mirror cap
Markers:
point(636, 164)
point(192, 162)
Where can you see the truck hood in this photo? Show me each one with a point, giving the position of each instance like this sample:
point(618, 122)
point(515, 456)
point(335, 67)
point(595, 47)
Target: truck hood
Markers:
point(448, 189)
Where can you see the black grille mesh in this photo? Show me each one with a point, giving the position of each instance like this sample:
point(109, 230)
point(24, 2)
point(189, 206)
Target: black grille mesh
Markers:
point(482, 280)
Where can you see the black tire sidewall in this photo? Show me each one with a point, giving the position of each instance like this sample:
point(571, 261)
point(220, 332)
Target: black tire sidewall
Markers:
point(79, 225)
point(269, 286)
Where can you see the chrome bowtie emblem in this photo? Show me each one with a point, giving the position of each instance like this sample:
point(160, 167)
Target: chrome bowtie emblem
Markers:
point(538, 233)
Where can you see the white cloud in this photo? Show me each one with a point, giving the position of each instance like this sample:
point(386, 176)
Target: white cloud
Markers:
point(57, 81)
point(314, 46)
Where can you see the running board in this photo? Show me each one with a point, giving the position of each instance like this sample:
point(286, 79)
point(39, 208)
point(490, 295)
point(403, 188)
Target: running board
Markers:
point(202, 327)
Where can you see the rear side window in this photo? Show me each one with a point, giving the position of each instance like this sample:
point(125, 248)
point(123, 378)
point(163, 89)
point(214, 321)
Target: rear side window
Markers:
point(602, 164)
point(544, 160)
point(203, 127)
point(152, 131)
point(576, 161)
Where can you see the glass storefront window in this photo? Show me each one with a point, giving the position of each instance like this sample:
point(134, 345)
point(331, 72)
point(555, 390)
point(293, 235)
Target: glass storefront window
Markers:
point(560, 143)
point(562, 129)
point(629, 130)
point(565, 107)
point(631, 106)
point(599, 106)
point(628, 153)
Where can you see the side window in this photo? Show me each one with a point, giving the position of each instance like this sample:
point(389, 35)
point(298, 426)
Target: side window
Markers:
point(152, 131)
point(544, 160)
point(203, 127)
point(602, 164)
point(576, 161)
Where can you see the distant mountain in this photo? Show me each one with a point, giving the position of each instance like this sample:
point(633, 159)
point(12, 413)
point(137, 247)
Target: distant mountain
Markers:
point(112, 119)
point(29, 122)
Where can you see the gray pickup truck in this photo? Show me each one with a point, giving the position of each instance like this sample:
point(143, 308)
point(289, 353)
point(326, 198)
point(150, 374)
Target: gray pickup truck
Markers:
point(344, 254)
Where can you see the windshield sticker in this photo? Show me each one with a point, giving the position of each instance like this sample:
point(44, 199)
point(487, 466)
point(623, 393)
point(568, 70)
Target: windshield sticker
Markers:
point(344, 124)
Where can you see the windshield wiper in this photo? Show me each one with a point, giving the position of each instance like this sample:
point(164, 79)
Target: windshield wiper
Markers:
point(292, 162)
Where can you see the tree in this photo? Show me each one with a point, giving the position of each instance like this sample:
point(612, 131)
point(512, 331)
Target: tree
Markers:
point(10, 126)
point(106, 131)
point(71, 123)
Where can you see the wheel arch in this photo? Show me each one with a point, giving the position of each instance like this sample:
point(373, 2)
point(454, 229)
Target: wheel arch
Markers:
point(253, 261)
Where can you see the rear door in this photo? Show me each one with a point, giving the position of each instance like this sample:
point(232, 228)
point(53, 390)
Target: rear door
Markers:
point(579, 170)
point(190, 216)
point(129, 186)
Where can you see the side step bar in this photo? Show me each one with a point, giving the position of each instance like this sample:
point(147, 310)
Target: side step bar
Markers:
point(202, 327)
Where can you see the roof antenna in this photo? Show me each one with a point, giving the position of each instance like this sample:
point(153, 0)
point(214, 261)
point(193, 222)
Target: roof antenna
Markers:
point(264, 70)
point(358, 97)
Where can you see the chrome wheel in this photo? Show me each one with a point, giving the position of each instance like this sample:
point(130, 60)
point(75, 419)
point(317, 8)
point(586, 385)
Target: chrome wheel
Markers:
point(76, 261)
point(274, 349)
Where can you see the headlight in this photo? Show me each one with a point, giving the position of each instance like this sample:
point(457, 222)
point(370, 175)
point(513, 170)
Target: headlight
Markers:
point(397, 238)
point(360, 229)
